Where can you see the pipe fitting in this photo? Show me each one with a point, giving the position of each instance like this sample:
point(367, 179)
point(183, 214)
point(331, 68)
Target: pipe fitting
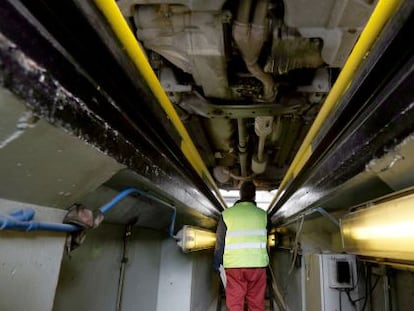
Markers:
point(259, 166)
point(269, 87)
point(263, 126)
point(221, 174)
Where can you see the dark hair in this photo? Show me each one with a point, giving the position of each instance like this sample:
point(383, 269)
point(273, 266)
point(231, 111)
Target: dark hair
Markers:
point(247, 191)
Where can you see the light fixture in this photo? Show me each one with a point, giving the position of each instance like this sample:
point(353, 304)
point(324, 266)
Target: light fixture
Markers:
point(384, 230)
point(271, 239)
point(191, 239)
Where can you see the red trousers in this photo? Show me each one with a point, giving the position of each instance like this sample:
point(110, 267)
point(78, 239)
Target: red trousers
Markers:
point(245, 283)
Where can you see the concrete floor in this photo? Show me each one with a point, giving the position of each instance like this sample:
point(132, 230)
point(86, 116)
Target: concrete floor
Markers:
point(223, 306)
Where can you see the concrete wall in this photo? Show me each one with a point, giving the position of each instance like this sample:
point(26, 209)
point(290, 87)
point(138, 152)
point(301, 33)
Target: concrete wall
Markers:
point(186, 280)
point(158, 276)
point(142, 271)
point(89, 277)
point(290, 285)
point(29, 262)
point(205, 284)
point(174, 289)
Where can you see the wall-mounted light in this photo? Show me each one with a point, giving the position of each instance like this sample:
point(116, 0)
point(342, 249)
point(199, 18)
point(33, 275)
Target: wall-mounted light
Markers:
point(383, 230)
point(271, 239)
point(191, 239)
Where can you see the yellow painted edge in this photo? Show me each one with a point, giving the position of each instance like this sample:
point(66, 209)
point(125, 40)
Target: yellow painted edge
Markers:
point(379, 17)
point(191, 159)
point(120, 27)
point(305, 157)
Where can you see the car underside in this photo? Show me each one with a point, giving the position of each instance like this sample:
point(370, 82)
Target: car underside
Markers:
point(247, 77)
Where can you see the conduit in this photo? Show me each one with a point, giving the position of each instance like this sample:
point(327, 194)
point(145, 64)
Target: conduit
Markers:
point(23, 215)
point(319, 210)
point(124, 34)
point(381, 14)
point(23, 219)
point(11, 222)
point(124, 193)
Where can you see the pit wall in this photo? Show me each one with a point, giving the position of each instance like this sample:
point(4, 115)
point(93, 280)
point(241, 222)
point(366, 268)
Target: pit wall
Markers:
point(30, 261)
point(157, 276)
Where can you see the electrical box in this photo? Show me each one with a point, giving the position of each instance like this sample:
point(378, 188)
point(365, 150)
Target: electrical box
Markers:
point(328, 278)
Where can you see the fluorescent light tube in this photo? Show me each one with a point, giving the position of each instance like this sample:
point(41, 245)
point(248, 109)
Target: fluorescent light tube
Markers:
point(384, 230)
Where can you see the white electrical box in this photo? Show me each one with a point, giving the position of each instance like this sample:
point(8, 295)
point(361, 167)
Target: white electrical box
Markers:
point(328, 277)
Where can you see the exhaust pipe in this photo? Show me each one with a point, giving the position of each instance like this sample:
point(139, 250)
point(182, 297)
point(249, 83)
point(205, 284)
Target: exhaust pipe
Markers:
point(250, 38)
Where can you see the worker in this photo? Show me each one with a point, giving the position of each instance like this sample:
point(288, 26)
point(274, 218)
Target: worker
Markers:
point(241, 239)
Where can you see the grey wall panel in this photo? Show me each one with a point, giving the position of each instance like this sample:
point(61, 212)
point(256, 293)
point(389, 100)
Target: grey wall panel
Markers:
point(174, 290)
point(290, 285)
point(142, 271)
point(204, 288)
point(30, 262)
point(89, 278)
point(186, 281)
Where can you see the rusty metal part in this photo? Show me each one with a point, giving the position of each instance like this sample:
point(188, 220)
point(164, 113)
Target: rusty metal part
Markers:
point(249, 39)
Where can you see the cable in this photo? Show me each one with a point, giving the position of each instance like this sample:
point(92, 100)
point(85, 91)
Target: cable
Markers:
point(296, 246)
point(367, 292)
point(370, 292)
point(348, 290)
point(350, 299)
point(299, 227)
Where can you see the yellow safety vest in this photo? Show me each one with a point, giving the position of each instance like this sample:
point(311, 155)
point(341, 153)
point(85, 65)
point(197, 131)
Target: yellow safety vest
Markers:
point(246, 237)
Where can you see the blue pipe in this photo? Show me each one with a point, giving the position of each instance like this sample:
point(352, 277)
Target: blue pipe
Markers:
point(22, 219)
point(23, 214)
point(104, 209)
point(15, 223)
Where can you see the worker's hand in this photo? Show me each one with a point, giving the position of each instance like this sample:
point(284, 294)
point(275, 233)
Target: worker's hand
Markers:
point(217, 262)
point(223, 275)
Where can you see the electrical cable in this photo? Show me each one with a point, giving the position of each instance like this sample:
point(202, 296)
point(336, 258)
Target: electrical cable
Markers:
point(296, 246)
point(350, 299)
point(340, 300)
point(367, 292)
point(299, 227)
point(348, 290)
point(368, 276)
point(370, 292)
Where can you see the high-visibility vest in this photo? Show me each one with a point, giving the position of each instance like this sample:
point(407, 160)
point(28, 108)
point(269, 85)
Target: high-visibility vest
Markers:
point(246, 237)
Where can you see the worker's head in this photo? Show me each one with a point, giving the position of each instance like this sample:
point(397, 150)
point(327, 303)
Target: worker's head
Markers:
point(248, 191)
